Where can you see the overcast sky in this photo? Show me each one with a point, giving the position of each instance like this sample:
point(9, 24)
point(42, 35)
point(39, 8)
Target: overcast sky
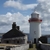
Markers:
point(19, 11)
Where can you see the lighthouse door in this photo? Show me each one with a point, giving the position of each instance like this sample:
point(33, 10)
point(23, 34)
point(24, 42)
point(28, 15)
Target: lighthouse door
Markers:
point(34, 40)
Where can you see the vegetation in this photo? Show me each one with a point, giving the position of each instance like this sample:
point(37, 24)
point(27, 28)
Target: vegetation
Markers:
point(34, 47)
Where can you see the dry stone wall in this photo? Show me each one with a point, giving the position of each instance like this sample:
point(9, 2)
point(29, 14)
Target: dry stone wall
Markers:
point(21, 47)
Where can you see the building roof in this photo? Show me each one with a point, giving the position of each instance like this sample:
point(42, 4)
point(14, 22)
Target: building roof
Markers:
point(47, 36)
point(14, 32)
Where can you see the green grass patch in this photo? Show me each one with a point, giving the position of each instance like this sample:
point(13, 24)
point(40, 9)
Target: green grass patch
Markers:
point(34, 47)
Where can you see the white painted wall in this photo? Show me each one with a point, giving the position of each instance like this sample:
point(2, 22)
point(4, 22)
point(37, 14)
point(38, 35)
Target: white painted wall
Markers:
point(26, 39)
point(35, 30)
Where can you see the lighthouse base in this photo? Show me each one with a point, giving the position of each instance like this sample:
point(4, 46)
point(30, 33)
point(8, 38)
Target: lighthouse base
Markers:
point(34, 40)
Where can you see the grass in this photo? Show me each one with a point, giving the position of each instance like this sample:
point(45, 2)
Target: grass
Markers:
point(34, 47)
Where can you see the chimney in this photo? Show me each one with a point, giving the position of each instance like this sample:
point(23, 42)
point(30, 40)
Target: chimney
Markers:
point(18, 27)
point(14, 25)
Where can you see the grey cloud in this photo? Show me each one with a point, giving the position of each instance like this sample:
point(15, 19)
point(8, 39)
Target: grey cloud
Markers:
point(19, 18)
point(4, 24)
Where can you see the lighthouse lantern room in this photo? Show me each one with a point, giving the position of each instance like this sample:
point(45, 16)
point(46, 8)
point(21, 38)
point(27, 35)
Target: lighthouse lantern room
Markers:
point(35, 27)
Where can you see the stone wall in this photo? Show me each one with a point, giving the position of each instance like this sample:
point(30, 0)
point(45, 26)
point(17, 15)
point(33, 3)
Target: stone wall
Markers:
point(21, 47)
point(45, 46)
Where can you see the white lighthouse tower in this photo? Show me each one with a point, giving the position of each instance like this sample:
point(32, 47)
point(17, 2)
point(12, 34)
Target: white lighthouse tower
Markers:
point(35, 27)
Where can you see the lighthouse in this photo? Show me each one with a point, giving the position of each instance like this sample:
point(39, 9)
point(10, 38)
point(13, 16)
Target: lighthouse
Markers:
point(35, 27)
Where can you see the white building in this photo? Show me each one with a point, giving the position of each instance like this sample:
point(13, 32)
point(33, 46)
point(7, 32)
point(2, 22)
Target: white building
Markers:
point(35, 27)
